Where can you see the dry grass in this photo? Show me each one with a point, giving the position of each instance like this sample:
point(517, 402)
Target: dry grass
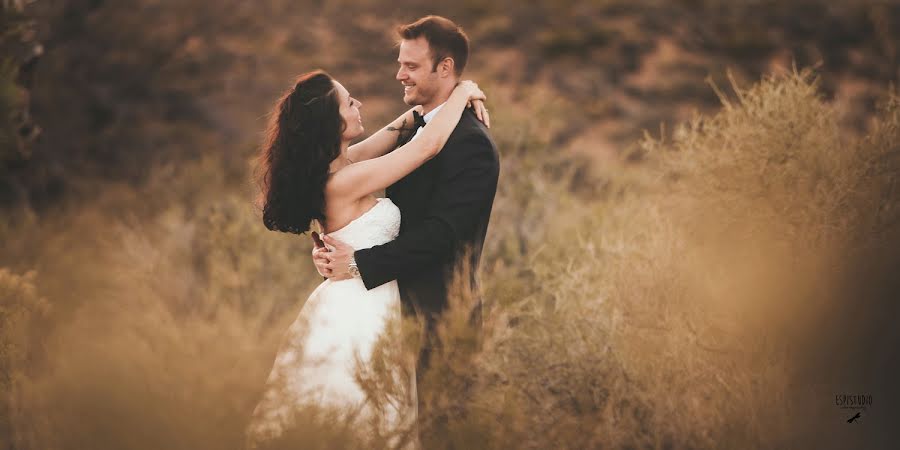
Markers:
point(683, 302)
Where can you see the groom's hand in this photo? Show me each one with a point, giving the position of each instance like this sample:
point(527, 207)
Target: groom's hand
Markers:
point(338, 266)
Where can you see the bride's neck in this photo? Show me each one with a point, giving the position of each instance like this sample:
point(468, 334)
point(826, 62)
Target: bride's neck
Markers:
point(342, 160)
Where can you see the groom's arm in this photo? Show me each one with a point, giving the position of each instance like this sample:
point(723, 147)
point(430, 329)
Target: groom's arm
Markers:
point(464, 193)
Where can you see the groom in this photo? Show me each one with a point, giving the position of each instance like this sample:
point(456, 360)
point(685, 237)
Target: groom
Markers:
point(445, 204)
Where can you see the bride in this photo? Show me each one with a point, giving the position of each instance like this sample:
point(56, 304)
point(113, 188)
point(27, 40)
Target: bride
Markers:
point(310, 172)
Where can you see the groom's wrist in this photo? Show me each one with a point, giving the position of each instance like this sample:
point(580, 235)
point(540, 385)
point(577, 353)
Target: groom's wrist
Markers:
point(353, 268)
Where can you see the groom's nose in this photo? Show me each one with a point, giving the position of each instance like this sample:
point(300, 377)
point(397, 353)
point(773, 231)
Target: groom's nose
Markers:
point(401, 74)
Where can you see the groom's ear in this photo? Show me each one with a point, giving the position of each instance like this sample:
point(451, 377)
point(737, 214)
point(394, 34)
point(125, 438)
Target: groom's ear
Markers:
point(446, 67)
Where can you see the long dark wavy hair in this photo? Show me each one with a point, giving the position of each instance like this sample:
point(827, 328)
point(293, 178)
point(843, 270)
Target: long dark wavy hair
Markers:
point(302, 139)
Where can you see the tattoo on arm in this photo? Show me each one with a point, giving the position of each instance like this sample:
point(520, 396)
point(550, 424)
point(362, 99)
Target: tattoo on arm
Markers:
point(402, 132)
point(402, 126)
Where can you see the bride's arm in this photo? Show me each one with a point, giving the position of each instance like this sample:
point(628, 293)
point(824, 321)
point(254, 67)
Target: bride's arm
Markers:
point(360, 179)
point(383, 140)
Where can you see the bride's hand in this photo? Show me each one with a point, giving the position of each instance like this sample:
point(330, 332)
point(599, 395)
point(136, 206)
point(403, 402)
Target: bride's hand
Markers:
point(471, 90)
point(476, 100)
point(481, 112)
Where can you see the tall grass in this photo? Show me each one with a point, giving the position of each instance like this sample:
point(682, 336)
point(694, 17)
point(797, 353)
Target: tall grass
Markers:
point(686, 301)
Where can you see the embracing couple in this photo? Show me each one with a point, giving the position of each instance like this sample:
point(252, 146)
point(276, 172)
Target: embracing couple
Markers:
point(439, 168)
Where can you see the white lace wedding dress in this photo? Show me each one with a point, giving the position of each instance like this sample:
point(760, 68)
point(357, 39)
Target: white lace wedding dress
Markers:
point(339, 322)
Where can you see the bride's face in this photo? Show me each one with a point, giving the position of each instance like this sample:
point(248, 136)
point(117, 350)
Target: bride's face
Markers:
point(350, 113)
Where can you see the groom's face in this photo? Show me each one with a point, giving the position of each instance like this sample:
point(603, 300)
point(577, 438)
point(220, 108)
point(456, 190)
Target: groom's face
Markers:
point(421, 84)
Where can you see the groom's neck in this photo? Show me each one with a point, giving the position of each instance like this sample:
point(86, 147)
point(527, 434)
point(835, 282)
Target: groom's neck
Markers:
point(439, 99)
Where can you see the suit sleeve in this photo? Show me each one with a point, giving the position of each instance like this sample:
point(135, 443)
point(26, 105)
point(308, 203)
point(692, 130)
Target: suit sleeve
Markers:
point(464, 193)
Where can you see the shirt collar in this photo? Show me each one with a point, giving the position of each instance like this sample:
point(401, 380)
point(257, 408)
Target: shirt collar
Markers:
point(434, 111)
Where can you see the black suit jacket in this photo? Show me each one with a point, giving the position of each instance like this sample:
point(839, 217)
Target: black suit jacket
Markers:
point(445, 206)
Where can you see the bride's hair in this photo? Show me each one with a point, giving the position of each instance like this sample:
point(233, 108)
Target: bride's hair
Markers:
point(303, 138)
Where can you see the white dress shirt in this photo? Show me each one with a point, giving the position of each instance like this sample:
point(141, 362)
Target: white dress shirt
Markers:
point(427, 118)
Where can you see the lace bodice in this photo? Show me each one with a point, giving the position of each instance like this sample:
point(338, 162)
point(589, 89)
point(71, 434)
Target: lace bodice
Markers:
point(378, 225)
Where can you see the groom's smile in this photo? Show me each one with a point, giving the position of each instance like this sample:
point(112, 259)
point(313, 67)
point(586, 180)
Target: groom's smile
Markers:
point(422, 83)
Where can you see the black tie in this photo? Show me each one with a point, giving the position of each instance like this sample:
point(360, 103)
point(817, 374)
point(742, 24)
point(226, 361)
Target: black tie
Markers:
point(418, 121)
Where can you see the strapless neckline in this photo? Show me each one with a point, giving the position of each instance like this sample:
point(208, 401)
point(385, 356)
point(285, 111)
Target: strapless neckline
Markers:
point(378, 225)
point(378, 201)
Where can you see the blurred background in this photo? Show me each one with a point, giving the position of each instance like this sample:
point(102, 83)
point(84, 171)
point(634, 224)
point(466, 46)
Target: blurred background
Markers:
point(694, 242)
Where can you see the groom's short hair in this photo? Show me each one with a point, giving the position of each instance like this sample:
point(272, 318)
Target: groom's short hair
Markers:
point(444, 38)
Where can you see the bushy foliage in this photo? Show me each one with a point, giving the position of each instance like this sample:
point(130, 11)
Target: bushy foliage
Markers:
point(156, 321)
point(19, 51)
point(21, 309)
point(685, 307)
point(680, 302)
point(126, 85)
point(674, 303)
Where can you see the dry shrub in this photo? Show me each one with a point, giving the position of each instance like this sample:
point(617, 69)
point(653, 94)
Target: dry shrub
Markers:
point(21, 310)
point(169, 303)
point(682, 308)
point(688, 301)
point(687, 308)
